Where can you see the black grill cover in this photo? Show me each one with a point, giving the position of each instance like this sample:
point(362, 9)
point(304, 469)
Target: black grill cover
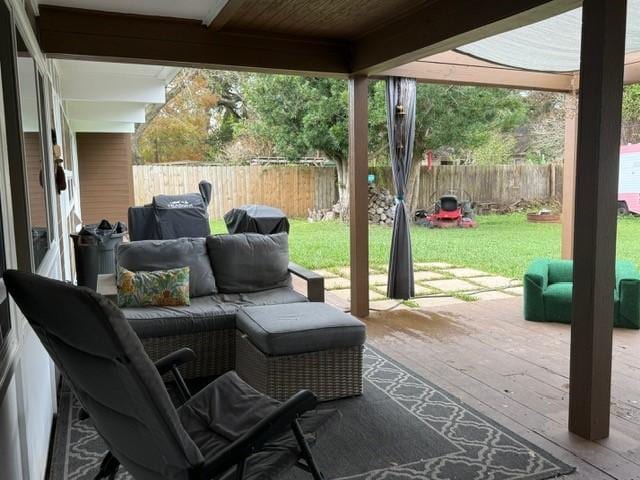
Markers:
point(172, 216)
point(256, 219)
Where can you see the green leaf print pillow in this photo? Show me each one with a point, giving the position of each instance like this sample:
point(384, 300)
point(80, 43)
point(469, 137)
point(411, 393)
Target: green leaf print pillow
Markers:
point(160, 288)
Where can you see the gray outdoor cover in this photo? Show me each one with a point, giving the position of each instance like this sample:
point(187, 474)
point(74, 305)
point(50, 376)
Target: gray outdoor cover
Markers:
point(181, 215)
point(172, 216)
point(256, 219)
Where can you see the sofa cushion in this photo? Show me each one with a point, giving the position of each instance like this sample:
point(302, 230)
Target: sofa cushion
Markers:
point(299, 328)
point(273, 296)
point(148, 255)
point(204, 314)
point(249, 262)
point(557, 302)
point(215, 312)
point(560, 271)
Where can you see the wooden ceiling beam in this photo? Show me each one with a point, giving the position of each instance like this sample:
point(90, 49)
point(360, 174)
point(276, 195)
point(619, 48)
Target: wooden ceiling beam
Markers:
point(440, 25)
point(221, 12)
point(93, 35)
point(446, 73)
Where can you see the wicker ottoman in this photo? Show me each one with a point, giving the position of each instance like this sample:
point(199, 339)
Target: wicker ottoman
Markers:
point(281, 349)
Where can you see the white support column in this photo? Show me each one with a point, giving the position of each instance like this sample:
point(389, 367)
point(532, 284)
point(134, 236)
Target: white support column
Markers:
point(569, 172)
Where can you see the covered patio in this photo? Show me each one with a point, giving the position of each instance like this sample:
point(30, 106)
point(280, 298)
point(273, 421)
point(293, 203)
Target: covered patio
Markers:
point(533, 379)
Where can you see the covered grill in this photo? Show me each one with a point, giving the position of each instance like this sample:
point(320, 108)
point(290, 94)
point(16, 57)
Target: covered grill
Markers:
point(172, 216)
point(256, 219)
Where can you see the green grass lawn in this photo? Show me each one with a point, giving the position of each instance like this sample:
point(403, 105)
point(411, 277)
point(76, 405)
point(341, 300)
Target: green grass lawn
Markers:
point(502, 244)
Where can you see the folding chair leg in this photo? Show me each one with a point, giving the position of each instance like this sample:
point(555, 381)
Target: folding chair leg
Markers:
point(108, 468)
point(305, 451)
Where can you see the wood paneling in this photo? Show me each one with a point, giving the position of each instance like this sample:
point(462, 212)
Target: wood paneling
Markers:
point(338, 19)
point(106, 179)
point(293, 189)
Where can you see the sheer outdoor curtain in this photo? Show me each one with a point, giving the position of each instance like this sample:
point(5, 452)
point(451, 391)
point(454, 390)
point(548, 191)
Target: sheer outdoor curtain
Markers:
point(401, 122)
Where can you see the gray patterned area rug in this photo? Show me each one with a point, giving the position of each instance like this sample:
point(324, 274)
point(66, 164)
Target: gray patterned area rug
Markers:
point(403, 427)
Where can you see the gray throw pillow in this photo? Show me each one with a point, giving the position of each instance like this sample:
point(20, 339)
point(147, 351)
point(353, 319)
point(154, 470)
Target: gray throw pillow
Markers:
point(151, 255)
point(249, 262)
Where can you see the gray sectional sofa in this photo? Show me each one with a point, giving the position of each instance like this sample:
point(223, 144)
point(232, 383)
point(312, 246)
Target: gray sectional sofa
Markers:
point(230, 273)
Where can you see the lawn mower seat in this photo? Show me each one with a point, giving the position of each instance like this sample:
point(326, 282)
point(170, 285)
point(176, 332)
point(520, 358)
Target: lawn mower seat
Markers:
point(449, 203)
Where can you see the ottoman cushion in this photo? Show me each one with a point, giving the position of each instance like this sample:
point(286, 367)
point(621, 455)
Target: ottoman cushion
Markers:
point(299, 328)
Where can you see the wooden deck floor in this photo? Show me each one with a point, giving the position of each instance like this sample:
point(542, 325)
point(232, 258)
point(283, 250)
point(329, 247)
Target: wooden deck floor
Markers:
point(517, 373)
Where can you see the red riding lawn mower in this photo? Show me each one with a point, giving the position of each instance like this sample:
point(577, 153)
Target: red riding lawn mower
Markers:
point(448, 212)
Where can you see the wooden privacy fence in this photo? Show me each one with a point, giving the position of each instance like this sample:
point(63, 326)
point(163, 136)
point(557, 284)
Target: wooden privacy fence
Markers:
point(294, 189)
point(502, 184)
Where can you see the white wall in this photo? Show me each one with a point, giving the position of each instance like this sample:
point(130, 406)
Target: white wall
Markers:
point(27, 375)
point(10, 456)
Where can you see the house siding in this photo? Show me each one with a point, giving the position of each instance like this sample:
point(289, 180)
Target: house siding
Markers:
point(106, 179)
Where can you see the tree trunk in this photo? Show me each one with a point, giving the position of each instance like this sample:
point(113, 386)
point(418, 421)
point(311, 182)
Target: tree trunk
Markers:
point(342, 169)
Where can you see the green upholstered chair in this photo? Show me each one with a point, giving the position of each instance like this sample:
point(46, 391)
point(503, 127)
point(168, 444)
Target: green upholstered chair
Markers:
point(548, 286)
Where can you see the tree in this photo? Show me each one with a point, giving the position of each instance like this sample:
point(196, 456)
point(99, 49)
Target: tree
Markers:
point(196, 121)
point(302, 114)
point(631, 114)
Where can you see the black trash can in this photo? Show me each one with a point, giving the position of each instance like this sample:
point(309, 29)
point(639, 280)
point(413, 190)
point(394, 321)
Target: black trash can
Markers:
point(94, 249)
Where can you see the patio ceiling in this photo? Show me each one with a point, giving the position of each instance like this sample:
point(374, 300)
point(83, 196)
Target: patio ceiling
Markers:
point(110, 97)
point(340, 38)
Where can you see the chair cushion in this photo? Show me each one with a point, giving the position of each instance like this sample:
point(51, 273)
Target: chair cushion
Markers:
point(249, 262)
point(161, 287)
point(557, 302)
point(148, 255)
point(227, 408)
point(222, 412)
point(299, 328)
point(560, 271)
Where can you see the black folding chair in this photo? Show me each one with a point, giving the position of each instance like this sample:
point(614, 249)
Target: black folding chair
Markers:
point(226, 430)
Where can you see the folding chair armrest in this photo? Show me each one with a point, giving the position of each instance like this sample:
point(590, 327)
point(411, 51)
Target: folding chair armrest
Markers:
point(274, 424)
point(315, 282)
point(177, 358)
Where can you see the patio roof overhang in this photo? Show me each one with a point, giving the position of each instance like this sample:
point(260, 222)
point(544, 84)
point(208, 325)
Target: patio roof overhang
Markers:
point(358, 39)
point(341, 38)
point(107, 97)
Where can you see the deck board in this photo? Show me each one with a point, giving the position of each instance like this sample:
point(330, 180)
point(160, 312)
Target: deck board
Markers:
point(517, 373)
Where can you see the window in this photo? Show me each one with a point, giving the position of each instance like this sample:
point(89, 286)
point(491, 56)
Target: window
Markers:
point(29, 85)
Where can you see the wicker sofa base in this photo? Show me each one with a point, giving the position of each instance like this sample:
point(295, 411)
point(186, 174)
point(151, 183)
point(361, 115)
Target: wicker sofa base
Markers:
point(215, 351)
point(330, 374)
